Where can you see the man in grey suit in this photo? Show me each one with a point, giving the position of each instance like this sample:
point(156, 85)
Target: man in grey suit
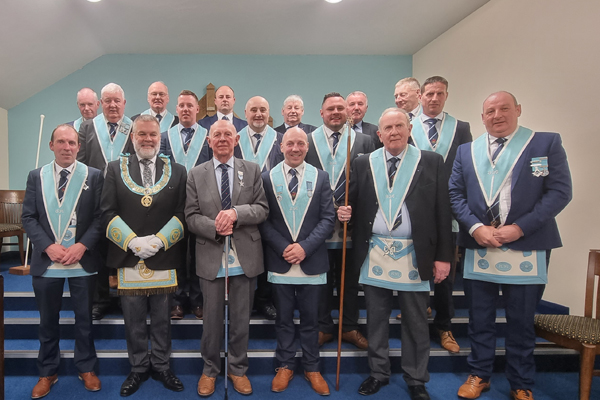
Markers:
point(357, 104)
point(225, 197)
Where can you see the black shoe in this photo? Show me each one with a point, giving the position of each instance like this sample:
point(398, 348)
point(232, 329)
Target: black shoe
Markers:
point(168, 379)
point(370, 386)
point(418, 392)
point(133, 382)
point(268, 311)
point(99, 311)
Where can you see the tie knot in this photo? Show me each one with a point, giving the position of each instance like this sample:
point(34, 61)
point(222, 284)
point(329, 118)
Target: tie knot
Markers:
point(223, 167)
point(431, 121)
point(146, 161)
point(355, 127)
point(187, 131)
point(257, 136)
point(336, 135)
point(293, 172)
point(64, 173)
point(393, 160)
point(501, 140)
point(158, 117)
point(411, 115)
point(113, 124)
point(225, 118)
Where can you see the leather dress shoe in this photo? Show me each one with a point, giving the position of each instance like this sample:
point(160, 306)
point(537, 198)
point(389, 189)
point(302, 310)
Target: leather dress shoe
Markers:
point(132, 383)
point(42, 387)
point(90, 381)
point(418, 392)
point(268, 311)
point(370, 386)
point(206, 385)
point(282, 379)
point(356, 338)
point(448, 342)
point(325, 338)
point(198, 312)
point(168, 379)
point(317, 382)
point(473, 387)
point(241, 384)
point(99, 311)
point(176, 312)
point(521, 394)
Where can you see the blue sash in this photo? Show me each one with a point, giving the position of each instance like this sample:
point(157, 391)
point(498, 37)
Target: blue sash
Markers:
point(502, 265)
point(165, 122)
point(60, 213)
point(77, 123)
point(188, 160)
point(264, 148)
point(111, 149)
point(333, 165)
point(420, 135)
point(492, 177)
point(391, 199)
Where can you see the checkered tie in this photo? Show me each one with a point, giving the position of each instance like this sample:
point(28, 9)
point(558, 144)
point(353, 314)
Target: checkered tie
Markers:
point(258, 138)
point(113, 129)
point(433, 133)
point(293, 185)
point(392, 169)
point(225, 192)
point(189, 134)
point(62, 184)
point(146, 174)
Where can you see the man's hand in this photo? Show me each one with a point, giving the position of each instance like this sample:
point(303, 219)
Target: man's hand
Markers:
point(141, 248)
point(73, 254)
point(224, 222)
point(441, 270)
point(344, 213)
point(508, 233)
point(484, 235)
point(56, 252)
point(294, 254)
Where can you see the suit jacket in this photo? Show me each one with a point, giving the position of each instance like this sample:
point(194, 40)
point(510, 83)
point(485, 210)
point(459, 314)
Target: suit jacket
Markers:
point(275, 155)
point(535, 201)
point(165, 148)
point(428, 206)
point(371, 130)
point(207, 122)
point(305, 127)
point(317, 227)
point(117, 199)
point(203, 203)
point(90, 152)
point(89, 229)
point(363, 144)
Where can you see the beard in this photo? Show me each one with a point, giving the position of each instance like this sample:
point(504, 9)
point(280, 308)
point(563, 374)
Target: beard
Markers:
point(145, 152)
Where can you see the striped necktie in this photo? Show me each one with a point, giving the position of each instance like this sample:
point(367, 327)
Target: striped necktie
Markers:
point(225, 192)
point(433, 133)
point(293, 185)
point(62, 183)
point(113, 129)
point(493, 212)
point(392, 169)
point(189, 134)
point(258, 138)
point(500, 142)
point(336, 141)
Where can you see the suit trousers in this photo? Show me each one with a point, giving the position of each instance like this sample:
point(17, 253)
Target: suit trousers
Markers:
point(443, 302)
point(135, 311)
point(48, 296)
point(188, 283)
point(415, 334)
point(241, 294)
point(102, 291)
point(306, 298)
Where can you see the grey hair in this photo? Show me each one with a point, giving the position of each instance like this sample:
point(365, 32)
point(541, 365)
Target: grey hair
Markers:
point(293, 97)
point(144, 118)
point(358, 92)
point(112, 88)
point(413, 82)
point(86, 88)
point(393, 110)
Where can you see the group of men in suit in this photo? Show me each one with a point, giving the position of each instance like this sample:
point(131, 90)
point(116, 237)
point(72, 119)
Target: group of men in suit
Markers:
point(276, 191)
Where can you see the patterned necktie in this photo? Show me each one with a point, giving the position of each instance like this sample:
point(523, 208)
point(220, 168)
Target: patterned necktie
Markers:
point(159, 118)
point(336, 141)
point(62, 184)
point(293, 185)
point(146, 174)
point(340, 190)
point(411, 116)
point(225, 118)
point(493, 212)
point(258, 138)
point(392, 169)
point(500, 142)
point(433, 133)
point(225, 193)
point(189, 133)
point(113, 129)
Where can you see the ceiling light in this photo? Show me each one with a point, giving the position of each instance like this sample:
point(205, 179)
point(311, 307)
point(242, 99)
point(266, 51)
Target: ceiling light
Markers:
point(329, 1)
point(93, 1)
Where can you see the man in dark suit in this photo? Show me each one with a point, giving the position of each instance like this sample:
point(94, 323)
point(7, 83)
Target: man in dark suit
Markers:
point(301, 218)
point(158, 98)
point(64, 248)
point(142, 206)
point(400, 210)
point(225, 197)
point(224, 101)
point(327, 150)
point(292, 111)
point(358, 104)
point(407, 96)
point(88, 103)
point(506, 189)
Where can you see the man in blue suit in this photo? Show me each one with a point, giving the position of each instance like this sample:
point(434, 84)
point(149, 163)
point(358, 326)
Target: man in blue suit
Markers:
point(302, 217)
point(506, 189)
point(64, 248)
point(224, 101)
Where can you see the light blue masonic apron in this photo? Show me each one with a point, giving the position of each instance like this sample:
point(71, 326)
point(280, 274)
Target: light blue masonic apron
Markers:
point(187, 159)
point(165, 122)
point(264, 148)
point(111, 149)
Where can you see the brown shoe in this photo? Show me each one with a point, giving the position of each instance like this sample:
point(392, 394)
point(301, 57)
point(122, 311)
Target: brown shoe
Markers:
point(325, 338)
point(448, 342)
point(206, 385)
point(241, 384)
point(176, 312)
point(282, 379)
point(42, 388)
point(473, 388)
point(356, 338)
point(90, 381)
point(521, 394)
point(317, 382)
point(198, 312)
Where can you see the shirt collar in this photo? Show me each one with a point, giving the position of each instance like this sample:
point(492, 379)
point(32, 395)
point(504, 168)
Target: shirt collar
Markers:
point(299, 169)
point(153, 159)
point(194, 127)
point(388, 155)
point(58, 168)
point(492, 139)
point(229, 162)
point(251, 131)
point(425, 117)
point(229, 116)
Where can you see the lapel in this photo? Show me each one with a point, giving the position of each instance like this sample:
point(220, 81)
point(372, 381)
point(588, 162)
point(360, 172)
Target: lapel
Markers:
point(519, 167)
point(414, 181)
point(236, 188)
point(134, 169)
point(211, 182)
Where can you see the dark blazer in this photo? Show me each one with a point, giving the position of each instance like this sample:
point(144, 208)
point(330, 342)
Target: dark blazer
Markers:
point(305, 127)
point(371, 130)
point(89, 229)
point(117, 199)
point(363, 144)
point(428, 206)
point(90, 152)
point(535, 201)
point(207, 122)
point(275, 155)
point(317, 227)
point(165, 148)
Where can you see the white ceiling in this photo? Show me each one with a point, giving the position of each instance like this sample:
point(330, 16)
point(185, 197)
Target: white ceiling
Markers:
point(42, 41)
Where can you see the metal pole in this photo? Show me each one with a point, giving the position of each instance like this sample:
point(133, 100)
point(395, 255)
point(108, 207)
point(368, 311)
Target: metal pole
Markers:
point(227, 245)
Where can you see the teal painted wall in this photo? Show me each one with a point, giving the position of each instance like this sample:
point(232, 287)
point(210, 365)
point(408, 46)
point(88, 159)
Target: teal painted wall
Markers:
point(273, 77)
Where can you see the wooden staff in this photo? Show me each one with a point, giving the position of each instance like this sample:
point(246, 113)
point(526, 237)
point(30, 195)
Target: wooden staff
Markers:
point(344, 248)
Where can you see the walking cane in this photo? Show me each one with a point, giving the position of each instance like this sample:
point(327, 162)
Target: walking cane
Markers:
point(344, 248)
point(227, 244)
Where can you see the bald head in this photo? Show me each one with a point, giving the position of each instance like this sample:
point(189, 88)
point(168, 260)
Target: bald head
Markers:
point(257, 113)
point(294, 146)
point(88, 103)
point(158, 97)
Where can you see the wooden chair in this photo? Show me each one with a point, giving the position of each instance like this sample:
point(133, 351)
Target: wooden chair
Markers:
point(11, 208)
point(576, 332)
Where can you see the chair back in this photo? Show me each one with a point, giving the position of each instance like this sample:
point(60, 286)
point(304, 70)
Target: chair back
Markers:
point(11, 206)
point(592, 308)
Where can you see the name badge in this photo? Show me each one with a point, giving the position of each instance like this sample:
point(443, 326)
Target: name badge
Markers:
point(539, 166)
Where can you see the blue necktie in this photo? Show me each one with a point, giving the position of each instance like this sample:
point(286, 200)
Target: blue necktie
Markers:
point(258, 138)
point(336, 141)
point(225, 193)
point(411, 116)
point(159, 118)
point(225, 118)
point(433, 133)
point(493, 212)
point(189, 133)
point(113, 129)
point(392, 169)
point(293, 185)
point(357, 128)
point(62, 184)
point(500, 142)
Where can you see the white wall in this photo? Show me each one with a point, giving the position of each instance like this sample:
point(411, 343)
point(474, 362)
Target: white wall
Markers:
point(3, 149)
point(546, 53)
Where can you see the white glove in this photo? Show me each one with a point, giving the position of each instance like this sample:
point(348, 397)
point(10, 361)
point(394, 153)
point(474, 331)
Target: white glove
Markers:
point(155, 242)
point(141, 248)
